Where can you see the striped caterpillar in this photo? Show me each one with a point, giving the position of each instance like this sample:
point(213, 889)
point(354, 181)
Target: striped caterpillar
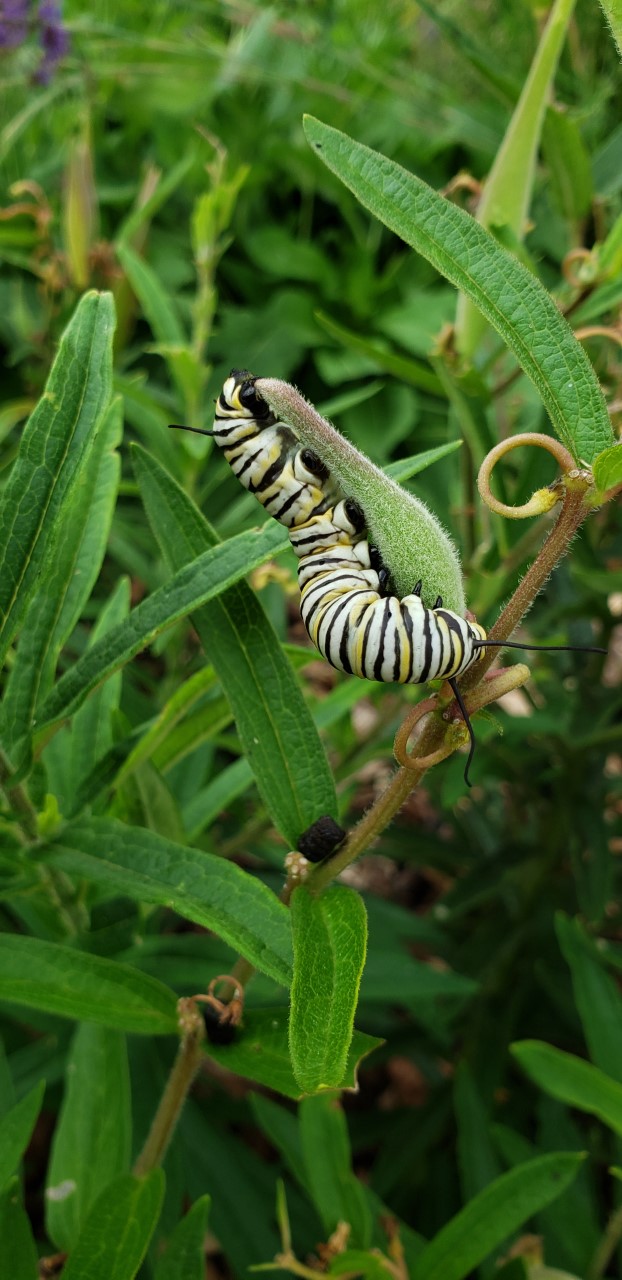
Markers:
point(345, 599)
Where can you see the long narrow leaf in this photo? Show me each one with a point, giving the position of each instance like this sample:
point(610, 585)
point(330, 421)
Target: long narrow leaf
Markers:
point(76, 553)
point(63, 980)
point(203, 579)
point(512, 300)
point(92, 1139)
point(572, 1080)
point(116, 1234)
point(330, 939)
point(201, 887)
point(56, 439)
point(275, 726)
point(508, 188)
point(15, 1131)
point(500, 1209)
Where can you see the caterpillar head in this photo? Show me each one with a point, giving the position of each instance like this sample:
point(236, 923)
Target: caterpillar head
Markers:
point(239, 397)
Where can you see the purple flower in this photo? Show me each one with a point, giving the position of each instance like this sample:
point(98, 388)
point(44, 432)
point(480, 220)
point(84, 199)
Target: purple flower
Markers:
point(54, 39)
point(13, 23)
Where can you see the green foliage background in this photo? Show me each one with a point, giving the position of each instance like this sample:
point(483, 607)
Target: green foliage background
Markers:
point(166, 162)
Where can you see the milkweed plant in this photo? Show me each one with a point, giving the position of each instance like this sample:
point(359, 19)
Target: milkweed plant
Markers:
point(187, 788)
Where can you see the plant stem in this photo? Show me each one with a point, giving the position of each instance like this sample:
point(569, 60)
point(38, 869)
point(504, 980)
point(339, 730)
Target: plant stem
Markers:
point(404, 781)
point(172, 1100)
point(574, 511)
point(610, 1240)
point(18, 799)
point(572, 515)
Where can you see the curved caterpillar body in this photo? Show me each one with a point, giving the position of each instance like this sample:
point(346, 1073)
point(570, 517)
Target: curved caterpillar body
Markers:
point(351, 617)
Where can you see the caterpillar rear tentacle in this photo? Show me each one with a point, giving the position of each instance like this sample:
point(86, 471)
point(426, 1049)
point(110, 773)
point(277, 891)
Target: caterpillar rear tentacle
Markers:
point(346, 602)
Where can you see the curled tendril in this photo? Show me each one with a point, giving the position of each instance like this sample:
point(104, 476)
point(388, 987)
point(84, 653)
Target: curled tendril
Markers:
point(599, 331)
point(406, 758)
point(228, 1011)
point(580, 267)
point(543, 499)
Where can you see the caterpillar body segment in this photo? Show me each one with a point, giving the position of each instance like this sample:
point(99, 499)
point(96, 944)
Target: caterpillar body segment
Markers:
point(346, 607)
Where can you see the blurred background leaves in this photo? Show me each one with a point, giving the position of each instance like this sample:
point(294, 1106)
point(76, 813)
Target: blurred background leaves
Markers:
point(156, 150)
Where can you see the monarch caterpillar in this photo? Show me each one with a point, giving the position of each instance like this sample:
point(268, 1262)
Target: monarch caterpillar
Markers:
point(347, 607)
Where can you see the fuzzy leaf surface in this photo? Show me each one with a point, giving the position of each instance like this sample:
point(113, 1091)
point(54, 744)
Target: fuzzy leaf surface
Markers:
point(608, 468)
point(56, 439)
point(275, 726)
point(116, 1234)
point(192, 586)
point(63, 980)
point(512, 300)
point(199, 886)
point(260, 1052)
point(330, 941)
point(92, 1139)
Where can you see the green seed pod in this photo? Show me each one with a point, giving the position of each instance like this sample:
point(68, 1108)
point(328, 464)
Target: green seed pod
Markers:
point(411, 541)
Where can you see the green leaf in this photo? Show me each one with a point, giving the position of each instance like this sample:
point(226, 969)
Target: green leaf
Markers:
point(15, 1131)
point(116, 1234)
point(409, 537)
point(569, 164)
point(76, 553)
point(165, 185)
point(204, 578)
point(92, 730)
point(282, 1130)
point(155, 302)
point(277, 733)
point(494, 1214)
point(610, 254)
point(260, 1052)
point(512, 300)
point(44, 975)
point(405, 468)
point(336, 1193)
point(572, 1080)
point(92, 1139)
point(160, 310)
point(358, 1262)
point(201, 887)
point(185, 1252)
point(413, 371)
point(55, 442)
point(608, 468)
point(612, 10)
point(160, 730)
point(477, 1162)
point(597, 996)
point(242, 1188)
point(507, 191)
point(330, 940)
point(205, 806)
point(18, 1253)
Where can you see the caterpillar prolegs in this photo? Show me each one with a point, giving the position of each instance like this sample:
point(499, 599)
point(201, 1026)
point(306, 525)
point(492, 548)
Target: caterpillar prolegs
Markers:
point(347, 607)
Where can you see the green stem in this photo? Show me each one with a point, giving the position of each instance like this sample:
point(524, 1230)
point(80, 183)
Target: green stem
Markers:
point(18, 799)
point(610, 1240)
point(177, 1087)
point(574, 511)
point(432, 739)
point(572, 515)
